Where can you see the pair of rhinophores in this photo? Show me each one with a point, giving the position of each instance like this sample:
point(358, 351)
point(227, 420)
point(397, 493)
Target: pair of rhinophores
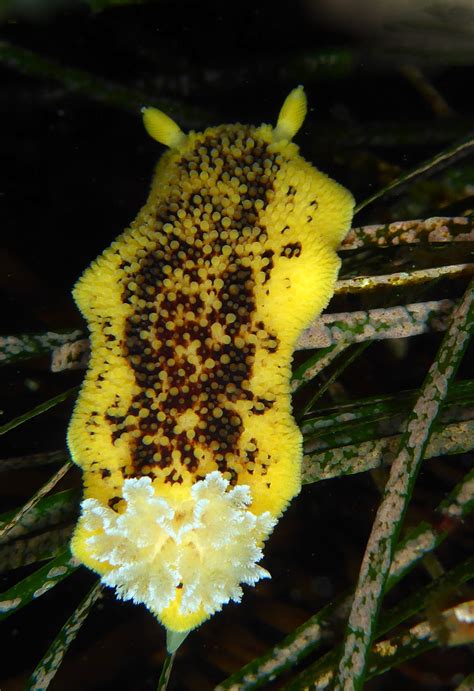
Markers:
point(183, 426)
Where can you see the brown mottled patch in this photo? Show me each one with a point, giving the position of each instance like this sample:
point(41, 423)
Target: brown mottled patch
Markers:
point(190, 353)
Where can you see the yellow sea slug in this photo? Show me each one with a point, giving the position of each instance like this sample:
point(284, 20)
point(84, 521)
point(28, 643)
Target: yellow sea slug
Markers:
point(183, 426)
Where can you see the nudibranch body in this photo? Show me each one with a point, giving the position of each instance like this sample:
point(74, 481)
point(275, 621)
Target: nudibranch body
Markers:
point(183, 426)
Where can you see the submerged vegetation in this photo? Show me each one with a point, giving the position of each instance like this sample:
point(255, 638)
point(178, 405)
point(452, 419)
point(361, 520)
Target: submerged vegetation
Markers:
point(371, 565)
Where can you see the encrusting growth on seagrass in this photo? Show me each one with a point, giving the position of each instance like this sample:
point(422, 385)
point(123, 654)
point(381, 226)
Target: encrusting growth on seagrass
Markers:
point(183, 426)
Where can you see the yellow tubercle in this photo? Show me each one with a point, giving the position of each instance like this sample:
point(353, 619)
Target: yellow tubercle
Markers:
point(194, 312)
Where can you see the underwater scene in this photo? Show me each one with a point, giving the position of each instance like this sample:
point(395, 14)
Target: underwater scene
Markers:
point(237, 399)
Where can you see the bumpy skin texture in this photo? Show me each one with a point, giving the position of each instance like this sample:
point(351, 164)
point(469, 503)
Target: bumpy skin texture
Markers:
point(194, 312)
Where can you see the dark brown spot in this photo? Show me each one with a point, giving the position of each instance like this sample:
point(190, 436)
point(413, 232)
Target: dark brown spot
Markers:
point(293, 249)
point(267, 269)
point(113, 502)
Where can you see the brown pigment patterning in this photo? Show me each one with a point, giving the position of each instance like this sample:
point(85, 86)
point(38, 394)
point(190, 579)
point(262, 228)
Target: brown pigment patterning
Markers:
point(205, 390)
point(194, 312)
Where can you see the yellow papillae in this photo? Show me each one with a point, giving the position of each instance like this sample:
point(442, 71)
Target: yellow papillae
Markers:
point(194, 312)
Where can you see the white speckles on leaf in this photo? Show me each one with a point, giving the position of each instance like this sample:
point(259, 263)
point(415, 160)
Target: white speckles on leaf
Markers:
point(44, 588)
point(465, 495)
point(8, 605)
point(377, 559)
point(291, 653)
point(436, 229)
point(56, 571)
point(412, 550)
point(380, 323)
